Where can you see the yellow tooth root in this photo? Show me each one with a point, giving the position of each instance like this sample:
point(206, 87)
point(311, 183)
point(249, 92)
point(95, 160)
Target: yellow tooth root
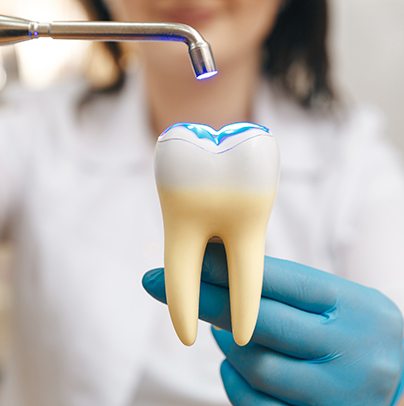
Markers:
point(183, 264)
point(245, 249)
point(185, 244)
point(190, 219)
point(245, 259)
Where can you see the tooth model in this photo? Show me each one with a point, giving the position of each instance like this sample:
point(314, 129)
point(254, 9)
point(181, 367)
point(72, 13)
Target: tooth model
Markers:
point(215, 184)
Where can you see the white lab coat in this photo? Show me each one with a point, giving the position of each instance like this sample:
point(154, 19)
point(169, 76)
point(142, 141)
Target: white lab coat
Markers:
point(79, 199)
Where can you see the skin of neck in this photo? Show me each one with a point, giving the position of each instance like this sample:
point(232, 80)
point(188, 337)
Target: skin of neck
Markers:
point(174, 95)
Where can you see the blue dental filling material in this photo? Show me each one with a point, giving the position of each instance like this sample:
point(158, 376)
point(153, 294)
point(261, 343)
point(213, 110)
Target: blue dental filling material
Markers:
point(203, 131)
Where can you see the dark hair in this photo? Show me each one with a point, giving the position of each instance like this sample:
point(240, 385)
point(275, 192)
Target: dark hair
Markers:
point(97, 10)
point(295, 54)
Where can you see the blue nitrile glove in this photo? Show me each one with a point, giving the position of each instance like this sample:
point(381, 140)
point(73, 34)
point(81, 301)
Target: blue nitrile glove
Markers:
point(400, 392)
point(319, 339)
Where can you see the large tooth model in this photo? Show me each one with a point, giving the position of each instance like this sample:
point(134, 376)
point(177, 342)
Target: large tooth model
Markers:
point(215, 184)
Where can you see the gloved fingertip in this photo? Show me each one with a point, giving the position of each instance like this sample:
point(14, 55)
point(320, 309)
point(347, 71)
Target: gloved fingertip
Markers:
point(214, 269)
point(225, 369)
point(224, 339)
point(153, 283)
point(152, 275)
point(235, 387)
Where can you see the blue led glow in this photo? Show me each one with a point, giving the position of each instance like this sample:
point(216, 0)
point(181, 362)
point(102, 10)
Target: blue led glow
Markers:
point(204, 131)
point(206, 75)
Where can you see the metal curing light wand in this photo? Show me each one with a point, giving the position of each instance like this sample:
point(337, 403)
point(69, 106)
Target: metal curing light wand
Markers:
point(13, 30)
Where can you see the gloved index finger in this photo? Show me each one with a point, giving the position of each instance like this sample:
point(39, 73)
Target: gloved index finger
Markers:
point(288, 282)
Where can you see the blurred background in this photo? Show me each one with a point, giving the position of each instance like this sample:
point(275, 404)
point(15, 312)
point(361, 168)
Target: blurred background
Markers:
point(367, 49)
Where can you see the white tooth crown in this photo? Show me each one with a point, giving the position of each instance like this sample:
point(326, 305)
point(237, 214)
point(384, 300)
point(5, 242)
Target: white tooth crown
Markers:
point(215, 184)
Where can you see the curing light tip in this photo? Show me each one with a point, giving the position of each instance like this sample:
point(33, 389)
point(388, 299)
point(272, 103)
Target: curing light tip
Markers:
point(207, 75)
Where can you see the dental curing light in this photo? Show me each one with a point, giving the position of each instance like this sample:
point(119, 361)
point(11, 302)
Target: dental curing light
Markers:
point(14, 30)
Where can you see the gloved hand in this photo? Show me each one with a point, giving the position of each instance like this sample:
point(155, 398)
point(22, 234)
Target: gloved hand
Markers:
point(319, 339)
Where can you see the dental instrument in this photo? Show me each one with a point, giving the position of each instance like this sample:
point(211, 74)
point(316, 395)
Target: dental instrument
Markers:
point(14, 30)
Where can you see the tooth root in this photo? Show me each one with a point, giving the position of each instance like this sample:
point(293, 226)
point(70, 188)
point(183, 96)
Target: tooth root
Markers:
point(183, 264)
point(185, 246)
point(246, 266)
point(245, 249)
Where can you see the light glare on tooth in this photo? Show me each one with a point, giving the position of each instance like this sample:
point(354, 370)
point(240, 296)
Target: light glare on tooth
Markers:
point(215, 184)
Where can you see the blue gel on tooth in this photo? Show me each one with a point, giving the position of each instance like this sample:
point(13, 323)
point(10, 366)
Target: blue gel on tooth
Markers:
point(203, 131)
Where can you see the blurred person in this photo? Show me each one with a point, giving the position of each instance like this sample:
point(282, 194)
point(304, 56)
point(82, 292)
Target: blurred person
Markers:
point(78, 201)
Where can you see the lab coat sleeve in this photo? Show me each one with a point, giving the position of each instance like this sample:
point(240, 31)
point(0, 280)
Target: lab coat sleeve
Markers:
point(14, 147)
point(369, 244)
